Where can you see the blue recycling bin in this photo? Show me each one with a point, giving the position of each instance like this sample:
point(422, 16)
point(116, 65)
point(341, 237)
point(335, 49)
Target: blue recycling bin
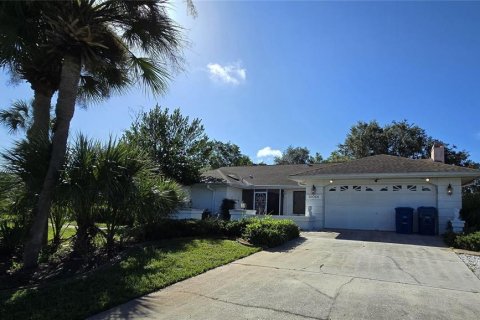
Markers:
point(404, 220)
point(427, 220)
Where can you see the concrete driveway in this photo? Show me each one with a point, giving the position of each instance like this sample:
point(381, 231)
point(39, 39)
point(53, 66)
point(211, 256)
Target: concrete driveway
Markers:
point(325, 275)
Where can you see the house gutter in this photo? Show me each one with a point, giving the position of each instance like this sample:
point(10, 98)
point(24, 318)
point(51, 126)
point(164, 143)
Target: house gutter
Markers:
point(300, 178)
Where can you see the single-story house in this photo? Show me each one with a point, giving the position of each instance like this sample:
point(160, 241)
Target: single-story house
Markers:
point(357, 194)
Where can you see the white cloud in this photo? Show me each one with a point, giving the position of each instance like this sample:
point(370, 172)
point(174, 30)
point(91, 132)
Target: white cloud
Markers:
point(232, 74)
point(268, 152)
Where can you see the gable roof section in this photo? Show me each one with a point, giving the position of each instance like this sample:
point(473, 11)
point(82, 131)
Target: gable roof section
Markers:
point(268, 175)
point(389, 165)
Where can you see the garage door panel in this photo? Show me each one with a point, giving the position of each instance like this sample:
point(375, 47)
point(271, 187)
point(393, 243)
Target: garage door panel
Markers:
point(372, 210)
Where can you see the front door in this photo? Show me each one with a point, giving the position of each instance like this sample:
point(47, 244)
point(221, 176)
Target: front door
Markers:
point(299, 202)
point(261, 202)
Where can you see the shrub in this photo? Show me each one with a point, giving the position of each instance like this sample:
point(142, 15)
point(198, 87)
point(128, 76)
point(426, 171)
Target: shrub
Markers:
point(169, 228)
point(227, 204)
point(471, 211)
point(11, 236)
point(260, 232)
point(468, 241)
point(270, 233)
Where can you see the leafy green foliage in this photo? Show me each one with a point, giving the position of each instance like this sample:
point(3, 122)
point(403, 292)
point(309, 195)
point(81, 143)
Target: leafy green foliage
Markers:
point(141, 271)
point(156, 197)
point(226, 155)
point(12, 234)
point(470, 212)
point(177, 146)
point(399, 139)
point(169, 228)
point(268, 232)
point(298, 155)
point(262, 232)
point(468, 241)
point(25, 166)
point(17, 117)
point(116, 184)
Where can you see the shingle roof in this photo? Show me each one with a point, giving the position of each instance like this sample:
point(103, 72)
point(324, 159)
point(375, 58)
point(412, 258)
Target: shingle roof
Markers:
point(385, 164)
point(268, 175)
point(282, 175)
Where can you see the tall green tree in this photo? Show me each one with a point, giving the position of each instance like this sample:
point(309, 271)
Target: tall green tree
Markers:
point(397, 138)
point(136, 37)
point(226, 154)
point(178, 146)
point(298, 155)
point(363, 140)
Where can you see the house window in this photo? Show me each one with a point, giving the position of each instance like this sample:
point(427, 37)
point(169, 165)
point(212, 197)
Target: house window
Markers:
point(343, 188)
point(333, 189)
point(397, 188)
point(384, 189)
point(357, 188)
point(426, 188)
point(412, 188)
point(368, 189)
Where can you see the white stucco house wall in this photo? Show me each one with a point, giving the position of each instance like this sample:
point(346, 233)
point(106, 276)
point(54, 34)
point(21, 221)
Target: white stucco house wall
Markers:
point(359, 194)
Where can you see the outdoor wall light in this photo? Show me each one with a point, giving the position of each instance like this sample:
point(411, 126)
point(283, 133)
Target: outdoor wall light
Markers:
point(427, 179)
point(449, 189)
point(331, 181)
point(314, 189)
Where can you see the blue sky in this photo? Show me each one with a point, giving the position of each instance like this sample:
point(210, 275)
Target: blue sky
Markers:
point(273, 74)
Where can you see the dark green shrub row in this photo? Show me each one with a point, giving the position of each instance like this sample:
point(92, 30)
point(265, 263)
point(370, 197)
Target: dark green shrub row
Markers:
point(269, 232)
point(169, 228)
point(464, 241)
point(260, 232)
point(468, 241)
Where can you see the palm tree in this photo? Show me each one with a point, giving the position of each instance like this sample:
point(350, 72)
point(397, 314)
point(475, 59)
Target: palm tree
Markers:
point(135, 36)
point(17, 117)
point(22, 53)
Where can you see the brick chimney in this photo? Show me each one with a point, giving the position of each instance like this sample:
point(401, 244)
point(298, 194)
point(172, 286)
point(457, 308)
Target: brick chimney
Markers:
point(438, 153)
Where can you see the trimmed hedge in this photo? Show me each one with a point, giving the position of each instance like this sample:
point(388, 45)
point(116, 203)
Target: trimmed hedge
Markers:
point(268, 232)
point(469, 241)
point(265, 232)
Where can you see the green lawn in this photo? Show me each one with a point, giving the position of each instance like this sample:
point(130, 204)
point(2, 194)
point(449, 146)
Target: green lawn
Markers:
point(141, 271)
point(67, 232)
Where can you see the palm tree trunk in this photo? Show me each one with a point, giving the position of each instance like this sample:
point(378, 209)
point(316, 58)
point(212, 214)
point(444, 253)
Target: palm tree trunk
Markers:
point(42, 100)
point(40, 127)
point(67, 94)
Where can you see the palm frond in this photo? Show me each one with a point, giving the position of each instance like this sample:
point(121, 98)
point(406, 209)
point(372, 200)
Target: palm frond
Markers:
point(17, 117)
point(150, 74)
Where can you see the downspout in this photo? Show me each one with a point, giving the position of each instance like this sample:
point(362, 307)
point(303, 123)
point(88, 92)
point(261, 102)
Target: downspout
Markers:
point(213, 197)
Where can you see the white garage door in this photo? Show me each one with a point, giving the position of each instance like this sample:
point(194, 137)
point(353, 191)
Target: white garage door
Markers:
point(372, 207)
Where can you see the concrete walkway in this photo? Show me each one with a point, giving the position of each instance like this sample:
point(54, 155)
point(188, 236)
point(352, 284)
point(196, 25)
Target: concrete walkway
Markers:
point(325, 275)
